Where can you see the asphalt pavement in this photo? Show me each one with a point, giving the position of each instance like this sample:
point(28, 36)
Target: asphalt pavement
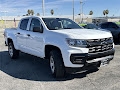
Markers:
point(32, 73)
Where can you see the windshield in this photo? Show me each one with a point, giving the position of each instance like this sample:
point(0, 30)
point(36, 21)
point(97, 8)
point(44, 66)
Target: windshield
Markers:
point(60, 23)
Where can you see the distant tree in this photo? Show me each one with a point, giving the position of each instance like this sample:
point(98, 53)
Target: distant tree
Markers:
point(91, 12)
point(52, 12)
point(27, 15)
point(104, 12)
point(32, 12)
point(107, 12)
point(29, 11)
point(38, 14)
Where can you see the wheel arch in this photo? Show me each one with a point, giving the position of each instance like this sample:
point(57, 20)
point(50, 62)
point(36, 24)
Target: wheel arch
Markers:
point(48, 48)
point(11, 40)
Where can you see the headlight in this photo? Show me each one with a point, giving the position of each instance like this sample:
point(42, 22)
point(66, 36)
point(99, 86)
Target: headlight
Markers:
point(111, 38)
point(76, 42)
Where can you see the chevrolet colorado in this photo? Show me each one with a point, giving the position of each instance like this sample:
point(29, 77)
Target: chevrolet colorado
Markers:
point(62, 41)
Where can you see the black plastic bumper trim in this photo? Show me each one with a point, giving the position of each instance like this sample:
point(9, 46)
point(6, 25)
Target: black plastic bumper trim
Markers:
point(83, 57)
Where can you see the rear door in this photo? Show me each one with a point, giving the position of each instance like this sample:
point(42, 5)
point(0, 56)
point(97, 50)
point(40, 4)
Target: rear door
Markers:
point(35, 40)
point(21, 34)
point(113, 28)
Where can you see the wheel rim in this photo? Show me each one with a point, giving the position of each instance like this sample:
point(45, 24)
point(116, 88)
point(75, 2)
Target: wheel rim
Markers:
point(52, 64)
point(11, 51)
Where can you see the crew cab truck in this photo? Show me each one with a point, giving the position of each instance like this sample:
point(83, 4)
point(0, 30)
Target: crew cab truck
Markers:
point(62, 41)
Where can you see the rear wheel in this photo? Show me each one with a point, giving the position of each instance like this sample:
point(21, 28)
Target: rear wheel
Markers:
point(56, 64)
point(12, 51)
point(5, 43)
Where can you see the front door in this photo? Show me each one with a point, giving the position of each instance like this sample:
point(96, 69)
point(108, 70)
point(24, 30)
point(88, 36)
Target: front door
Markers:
point(35, 42)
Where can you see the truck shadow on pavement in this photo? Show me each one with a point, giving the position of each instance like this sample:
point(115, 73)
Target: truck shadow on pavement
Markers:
point(32, 68)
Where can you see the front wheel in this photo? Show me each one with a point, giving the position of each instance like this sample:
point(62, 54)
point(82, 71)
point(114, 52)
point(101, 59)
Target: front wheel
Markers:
point(119, 38)
point(56, 64)
point(12, 51)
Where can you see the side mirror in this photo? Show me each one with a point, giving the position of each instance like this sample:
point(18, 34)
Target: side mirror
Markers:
point(38, 29)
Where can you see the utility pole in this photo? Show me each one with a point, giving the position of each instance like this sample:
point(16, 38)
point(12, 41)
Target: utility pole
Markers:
point(73, 11)
point(43, 8)
point(80, 10)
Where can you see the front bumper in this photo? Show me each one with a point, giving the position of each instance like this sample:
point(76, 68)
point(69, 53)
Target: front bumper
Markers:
point(89, 66)
point(89, 58)
point(72, 57)
point(89, 61)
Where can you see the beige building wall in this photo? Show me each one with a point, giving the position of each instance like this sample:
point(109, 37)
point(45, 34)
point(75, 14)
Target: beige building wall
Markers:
point(85, 20)
point(9, 24)
point(114, 20)
point(8, 21)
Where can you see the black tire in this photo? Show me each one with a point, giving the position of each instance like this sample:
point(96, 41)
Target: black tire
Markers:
point(12, 51)
point(59, 69)
point(119, 38)
point(5, 43)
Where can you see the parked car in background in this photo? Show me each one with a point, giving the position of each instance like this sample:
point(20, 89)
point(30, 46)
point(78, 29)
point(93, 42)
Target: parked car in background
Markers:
point(113, 28)
point(89, 26)
point(118, 23)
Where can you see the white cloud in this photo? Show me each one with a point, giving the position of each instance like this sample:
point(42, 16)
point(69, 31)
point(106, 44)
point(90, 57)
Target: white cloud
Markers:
point(16, 6)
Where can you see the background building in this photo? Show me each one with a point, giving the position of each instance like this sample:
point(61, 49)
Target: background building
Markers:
point(105, 19)
point(13, 21)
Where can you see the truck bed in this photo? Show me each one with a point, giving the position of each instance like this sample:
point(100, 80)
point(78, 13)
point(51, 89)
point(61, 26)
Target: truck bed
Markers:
point(9, 32)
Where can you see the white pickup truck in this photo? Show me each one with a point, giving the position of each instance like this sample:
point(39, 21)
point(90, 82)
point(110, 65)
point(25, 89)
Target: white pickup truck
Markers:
point(62, 41)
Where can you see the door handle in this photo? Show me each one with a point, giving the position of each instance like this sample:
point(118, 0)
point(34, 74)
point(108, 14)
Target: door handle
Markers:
point(18, 33)
point(28, 35)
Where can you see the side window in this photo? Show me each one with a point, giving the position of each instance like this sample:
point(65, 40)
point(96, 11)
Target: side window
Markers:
point(89, 26)
point(23, 24)
point(35, 23)
point(105, 25)
point(112, 25)
point(66, 24)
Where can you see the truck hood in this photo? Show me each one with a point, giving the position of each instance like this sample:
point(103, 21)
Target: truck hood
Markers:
point(85, 33)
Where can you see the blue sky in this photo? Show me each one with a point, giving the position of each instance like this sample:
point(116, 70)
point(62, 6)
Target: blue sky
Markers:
point(60, 7)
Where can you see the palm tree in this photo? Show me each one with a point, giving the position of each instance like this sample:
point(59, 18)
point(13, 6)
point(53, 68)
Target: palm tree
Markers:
point(32, 12)
point(27, 15)
point(29, 11)
point(91, 12)
point(104, 12)
point(52, 12)
point(38, 14)
point(107, 12)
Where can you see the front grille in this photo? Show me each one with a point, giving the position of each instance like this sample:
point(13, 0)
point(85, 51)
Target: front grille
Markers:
point(100, 45)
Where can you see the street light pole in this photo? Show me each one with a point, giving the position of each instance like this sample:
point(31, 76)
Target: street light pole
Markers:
point(73, 11)
point(43, 8)
point(80, 10)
